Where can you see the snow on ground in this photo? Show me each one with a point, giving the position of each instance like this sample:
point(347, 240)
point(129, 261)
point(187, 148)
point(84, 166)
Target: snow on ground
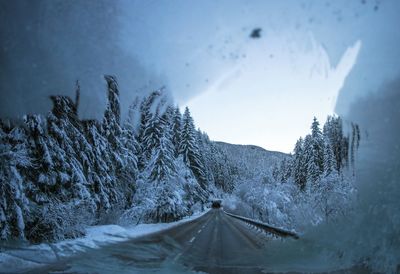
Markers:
point(19, 259)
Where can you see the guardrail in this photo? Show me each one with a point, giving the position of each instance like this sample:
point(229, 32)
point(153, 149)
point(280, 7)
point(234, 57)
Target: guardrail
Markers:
point(266, 227)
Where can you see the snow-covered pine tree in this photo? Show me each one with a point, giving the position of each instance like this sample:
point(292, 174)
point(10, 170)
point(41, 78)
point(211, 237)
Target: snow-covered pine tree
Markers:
point(285, 170)
point(133, 118)
point(313, 152)
point(133, 149)
point(161, 165)
point(66, 178)
point(313, 171)
point(176, 130)
point(189, 148)
point(100, 175)
point(333, 131)
point(131, 146)
point(121, 169)
point(224, 171)
point(112, 115)
point(130, 151)
point(329, 159)
point(206, 157)
point(308, 154)
point(71, 153)
point(13, 203)
point(129, 171)
point(146, 111)
point(192, 192)
point(317, 144)
point(168, 204)
point(111, 126)
point(300, 164)
point(39, 182)
point(152, 135)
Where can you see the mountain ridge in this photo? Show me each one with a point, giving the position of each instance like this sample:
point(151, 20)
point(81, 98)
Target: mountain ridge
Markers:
point(252, 147)
point(251, 161)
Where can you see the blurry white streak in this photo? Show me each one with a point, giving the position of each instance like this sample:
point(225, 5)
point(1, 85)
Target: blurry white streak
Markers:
point(345, 65)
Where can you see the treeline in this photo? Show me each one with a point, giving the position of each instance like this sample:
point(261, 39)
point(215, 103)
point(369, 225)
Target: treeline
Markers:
point(314, 185)
point(60, 173)
point(320, 154)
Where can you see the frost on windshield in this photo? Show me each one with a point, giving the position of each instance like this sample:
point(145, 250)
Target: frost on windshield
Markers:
point(139, 116)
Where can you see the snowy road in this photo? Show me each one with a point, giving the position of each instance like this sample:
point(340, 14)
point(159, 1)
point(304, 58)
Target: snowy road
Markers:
point(216, 243)
point(213, 243)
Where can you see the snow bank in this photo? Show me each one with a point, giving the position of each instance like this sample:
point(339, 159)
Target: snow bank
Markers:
point(19, 259)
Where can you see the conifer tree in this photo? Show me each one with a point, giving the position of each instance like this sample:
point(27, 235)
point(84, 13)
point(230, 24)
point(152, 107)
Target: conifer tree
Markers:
point(111, 130)
point(189, 148)
point(300, 164)
point(333, 131)
point(329, 159)
point(71, 154)
point(38, 150)
point(130, 171)
point(176, 130)
point(112, 115)
point(13, 202)
point(317, 145)
point(152, 135)
point(161, 166)
point(146, 111)
point(100, 174)
point(313, 171)
point(286, 168)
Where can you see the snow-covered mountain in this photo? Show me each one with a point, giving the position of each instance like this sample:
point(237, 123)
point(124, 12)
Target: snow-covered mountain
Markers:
point(251, 161)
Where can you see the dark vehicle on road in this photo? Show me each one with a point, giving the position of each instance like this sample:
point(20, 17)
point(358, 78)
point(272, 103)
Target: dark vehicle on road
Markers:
point(216, 204)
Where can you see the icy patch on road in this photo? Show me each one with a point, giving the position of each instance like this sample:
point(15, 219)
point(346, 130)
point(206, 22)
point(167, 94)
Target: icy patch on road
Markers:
point(25, 258)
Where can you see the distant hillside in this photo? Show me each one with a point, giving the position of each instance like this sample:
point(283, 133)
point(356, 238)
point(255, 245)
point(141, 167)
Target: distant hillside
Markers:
point(251, 161)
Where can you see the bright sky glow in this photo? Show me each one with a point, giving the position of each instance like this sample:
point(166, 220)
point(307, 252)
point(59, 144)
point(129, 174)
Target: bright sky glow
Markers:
point(270, 97)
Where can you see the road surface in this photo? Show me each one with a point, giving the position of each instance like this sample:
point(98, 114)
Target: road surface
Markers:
point(212, 243)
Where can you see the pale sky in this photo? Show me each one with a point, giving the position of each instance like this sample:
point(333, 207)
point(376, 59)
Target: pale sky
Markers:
point(270, 99)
